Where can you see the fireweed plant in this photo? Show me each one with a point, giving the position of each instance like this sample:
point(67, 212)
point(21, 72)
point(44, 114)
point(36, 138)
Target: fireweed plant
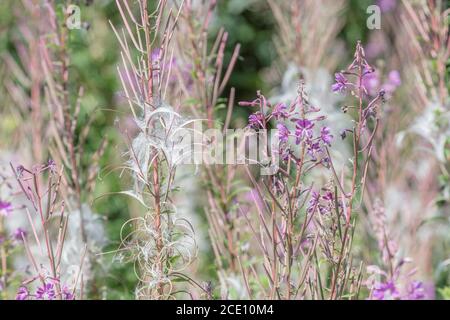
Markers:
point(69, 133)
point(392, 281)
point(9, 242)
point(160, 243)
point(425, 25)
point(203, 92)
point(47, 228)
point(43, 85)
point(307, 55)
point(307, 229)
point(429, 63)
point(413, 134)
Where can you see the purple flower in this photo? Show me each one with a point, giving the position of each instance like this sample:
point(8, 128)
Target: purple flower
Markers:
point(416, 291)
point(371, 82)
point(19, 234)
point(280, 111)
point(392, 82)
point(46, 292)
point(394, 78)
point(67, 294)
point(429, 290)
point(256, 120)
point(5, 208)
point(387, 5)
point(313, 149)
point(283, 132)
point(313, 202)
point(22, 294)
point(328, 196)
point(51, 165)
point(303, 129)
point(156, 54)
point(326, 136)
point(341, 83)
point(385, 291)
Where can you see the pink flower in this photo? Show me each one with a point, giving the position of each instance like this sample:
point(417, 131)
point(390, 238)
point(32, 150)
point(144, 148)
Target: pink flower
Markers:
point(371, 82)
point(416, 291)
point(46, 292)
point(279, 111)
point(19, 234)
point(256, 120)
point(5, 208)
point(387, 5)
point(22, 294)
point(385, 291)
point(341, 83)
point(326, 136)
point(283, 132)
point(393, 82)
point(303, 130)
point(313, 202)
point(67, 294)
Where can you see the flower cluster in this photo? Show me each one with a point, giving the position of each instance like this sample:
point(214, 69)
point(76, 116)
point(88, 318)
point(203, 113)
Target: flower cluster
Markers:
point(369, 81)
point(295, 121)
point(323, 202)
point(395, 288)
point(341, 83)
point(46, 291)
point(396, 283)
point(373, 84)
point(45, 283)
point(361, 80)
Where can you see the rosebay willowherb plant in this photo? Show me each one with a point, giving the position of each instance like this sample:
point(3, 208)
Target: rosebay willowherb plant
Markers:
point(393, 280)
point(306, 53)
point(42, 85)
point(9, 241)
point(203, 87)
point(69, 134)
point(410, 158)
point(47, 279)
point(426, 43)
point(160, 243)
point(307, 227)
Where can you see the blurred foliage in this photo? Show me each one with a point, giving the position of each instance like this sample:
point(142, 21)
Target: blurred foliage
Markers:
point(445, 293)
